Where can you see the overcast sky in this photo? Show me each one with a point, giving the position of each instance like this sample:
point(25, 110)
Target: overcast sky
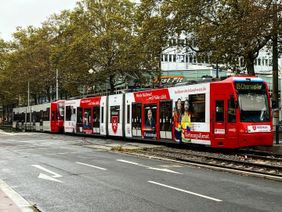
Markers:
point(28, 12)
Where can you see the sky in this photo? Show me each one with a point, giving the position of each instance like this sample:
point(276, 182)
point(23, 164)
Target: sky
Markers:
point(28, 12)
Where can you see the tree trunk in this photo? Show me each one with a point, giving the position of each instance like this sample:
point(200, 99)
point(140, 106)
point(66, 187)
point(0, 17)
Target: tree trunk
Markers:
point(250, 65)
point(112, 84)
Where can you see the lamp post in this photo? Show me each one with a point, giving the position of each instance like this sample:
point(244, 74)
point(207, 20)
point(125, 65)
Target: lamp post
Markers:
point(57, 84)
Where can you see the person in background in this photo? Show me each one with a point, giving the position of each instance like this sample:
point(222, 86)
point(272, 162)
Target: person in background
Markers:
point(186, 122)
point(177, 121)
point(150, 122)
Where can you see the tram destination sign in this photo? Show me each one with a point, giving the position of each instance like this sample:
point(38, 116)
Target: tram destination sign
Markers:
point(253, 86)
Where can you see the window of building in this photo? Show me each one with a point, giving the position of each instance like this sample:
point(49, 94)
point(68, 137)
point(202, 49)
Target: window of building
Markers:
point(170, 58)
point(190, 58)
point(165, 58)
point(259, 61)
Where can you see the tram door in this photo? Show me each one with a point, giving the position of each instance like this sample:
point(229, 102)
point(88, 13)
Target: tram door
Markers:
point(96, 119)
point(225, 128)
point(165, 119)
point(219, 119)
point(136, 119)
point(150, 121)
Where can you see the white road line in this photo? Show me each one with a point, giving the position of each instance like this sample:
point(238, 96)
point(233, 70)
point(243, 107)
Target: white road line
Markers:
point(96, 167)
point(185, 191)
point(47, 170)
point(130, 162)
point(148, 167)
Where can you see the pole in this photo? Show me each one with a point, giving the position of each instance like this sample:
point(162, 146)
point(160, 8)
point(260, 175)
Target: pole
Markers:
point(217, 76)
point(280, 90)
point(275, 71)
point(57, 84)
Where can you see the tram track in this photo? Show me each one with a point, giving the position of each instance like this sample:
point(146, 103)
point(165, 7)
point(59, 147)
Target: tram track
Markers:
point(258, 165)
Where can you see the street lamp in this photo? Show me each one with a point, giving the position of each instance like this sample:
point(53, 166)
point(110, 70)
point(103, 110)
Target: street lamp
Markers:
point(90, 71)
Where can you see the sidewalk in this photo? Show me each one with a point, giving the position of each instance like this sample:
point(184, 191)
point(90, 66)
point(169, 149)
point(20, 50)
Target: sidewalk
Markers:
point(11, 201)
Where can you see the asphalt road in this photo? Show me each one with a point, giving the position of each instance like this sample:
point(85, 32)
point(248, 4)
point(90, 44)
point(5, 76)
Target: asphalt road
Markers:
point(62, 173)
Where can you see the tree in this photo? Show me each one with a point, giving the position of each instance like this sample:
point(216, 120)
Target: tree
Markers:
point(227, 30)
point(153, 35)
point(101, 33)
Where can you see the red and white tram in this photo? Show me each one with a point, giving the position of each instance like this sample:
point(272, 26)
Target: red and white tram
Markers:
point(48, 117)
point(231, 113)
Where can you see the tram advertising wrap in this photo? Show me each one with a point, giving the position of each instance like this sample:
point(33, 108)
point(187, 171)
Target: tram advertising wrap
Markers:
point(231, 113)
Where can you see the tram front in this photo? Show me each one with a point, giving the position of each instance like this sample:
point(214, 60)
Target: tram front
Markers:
point(255, 125)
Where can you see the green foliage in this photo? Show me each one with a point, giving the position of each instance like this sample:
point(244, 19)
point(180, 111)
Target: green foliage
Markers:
point(122, 41)
point(225, 30)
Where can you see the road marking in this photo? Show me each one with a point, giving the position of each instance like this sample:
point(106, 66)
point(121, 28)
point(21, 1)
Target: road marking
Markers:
point(96, 167)
point(185, 191)
point(46, 177)
point(148, 167)
point(47, 170)
point(130, 162)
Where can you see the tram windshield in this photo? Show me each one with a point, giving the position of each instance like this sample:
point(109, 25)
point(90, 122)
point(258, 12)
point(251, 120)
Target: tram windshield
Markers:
point(253, 102)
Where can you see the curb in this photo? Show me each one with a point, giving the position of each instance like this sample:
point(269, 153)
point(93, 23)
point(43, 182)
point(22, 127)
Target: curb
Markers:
point(22, 204)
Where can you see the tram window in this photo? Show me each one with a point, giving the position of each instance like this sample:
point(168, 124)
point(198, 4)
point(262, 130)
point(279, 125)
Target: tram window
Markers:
point(46, 114)
point(115, 112)
point(102, 114)
point(219, 110)
point(68, 113)
point(23, 117)
point(136, 116)
point(41, 116)
point(198, 106)
point(61, 110)
point(165, 115)
point(128, 114)
point(28, 117)
point(33, 117)
point(96, 116)
point(79, 115)
point(38, 116)
point(231, 111)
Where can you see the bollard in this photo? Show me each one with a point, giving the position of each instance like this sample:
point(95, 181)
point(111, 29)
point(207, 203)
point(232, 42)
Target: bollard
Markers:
point(277, 134)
